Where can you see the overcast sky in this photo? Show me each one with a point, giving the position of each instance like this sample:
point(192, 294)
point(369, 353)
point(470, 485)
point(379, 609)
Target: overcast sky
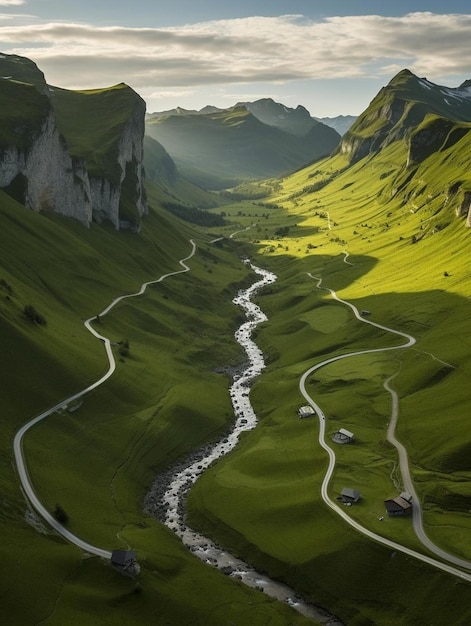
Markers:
point(331, 56)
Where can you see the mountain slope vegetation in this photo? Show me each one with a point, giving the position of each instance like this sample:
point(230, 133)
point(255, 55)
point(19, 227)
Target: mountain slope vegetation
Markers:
point(219, 149)
point(404, 223)
point(399, 108)
point(395, 199)
point(154, 410)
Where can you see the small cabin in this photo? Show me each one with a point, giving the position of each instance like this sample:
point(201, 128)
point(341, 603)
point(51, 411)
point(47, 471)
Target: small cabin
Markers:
point(305, 411)
point(399, 506)
point(123, 559)
point(342, 436)
point(349, 496)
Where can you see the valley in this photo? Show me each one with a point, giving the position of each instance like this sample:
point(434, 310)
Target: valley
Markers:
point(367, 322)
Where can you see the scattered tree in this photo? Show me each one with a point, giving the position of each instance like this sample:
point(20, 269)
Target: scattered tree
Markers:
point(33, 315)
point(60, 515)
point(6, 286)
point(124, 347)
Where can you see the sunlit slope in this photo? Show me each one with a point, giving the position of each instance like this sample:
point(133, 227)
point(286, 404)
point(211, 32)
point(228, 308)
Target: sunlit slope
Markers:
point(412, 221)
point(413, 217)
point(412, 226)
point(399, 108)
point(401, 216)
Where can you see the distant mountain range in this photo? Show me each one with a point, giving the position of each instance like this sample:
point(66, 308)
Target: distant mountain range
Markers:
point(274, 114)
point(340, 123)
point(218, 148)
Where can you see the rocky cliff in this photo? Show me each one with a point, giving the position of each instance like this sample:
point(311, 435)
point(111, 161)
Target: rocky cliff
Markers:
point(47, 137)
point(44, 176)
point(117, 181)
point(399, 109)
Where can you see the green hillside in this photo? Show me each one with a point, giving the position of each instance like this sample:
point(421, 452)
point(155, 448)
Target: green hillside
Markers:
point(218, 150)
point(155, 408)
point(395, 199)
point(92, 121)
point(403, 223)
point(23, 70)
point(399, 108)
point(24, 104)
point(161, 170)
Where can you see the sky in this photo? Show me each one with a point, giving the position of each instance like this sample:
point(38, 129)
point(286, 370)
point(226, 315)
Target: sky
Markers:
point(331, 56)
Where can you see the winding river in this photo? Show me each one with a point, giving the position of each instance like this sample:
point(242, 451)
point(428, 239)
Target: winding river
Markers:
point(169, 504)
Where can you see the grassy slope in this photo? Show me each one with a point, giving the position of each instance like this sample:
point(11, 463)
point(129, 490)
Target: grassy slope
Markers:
point(103, 113)
point(99, 461)
point(264, 500)
point(20, 122)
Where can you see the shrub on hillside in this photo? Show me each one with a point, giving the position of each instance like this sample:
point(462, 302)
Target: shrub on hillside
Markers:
point(33, 315)
point(60, 515)
point(124, 347)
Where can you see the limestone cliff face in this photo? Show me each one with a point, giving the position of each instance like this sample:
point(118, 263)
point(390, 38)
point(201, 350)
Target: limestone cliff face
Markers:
point(53, 181)
point(49, 147)
point(106, 194)
point(360, 140)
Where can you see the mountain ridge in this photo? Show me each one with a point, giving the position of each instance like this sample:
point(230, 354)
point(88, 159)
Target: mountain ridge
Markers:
point(222, 148)
point(399, 108)
point(339, 123)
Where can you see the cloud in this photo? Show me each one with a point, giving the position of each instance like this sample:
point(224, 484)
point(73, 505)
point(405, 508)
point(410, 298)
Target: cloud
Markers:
point(11, 3)
point(163, 94)
point(242, 51)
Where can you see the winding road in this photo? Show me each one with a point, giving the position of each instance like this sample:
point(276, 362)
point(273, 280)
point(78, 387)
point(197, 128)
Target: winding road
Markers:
point(455, 561)
point(18, 441)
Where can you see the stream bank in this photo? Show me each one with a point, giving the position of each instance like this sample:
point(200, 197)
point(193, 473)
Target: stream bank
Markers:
point(167, 498)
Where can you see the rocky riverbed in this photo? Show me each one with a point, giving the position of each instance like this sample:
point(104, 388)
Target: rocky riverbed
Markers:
point(167, 497)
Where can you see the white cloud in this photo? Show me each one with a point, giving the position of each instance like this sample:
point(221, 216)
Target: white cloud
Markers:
point(245, 50)
point(162, 94)
point(10, 3)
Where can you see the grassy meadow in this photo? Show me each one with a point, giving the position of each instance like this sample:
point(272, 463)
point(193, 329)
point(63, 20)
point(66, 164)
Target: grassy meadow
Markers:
point(407, 245)
point(407, 248)
point(98, 462)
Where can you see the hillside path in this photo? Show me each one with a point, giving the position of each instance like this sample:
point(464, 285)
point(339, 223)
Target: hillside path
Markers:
point(21, 465)
point(404, 465)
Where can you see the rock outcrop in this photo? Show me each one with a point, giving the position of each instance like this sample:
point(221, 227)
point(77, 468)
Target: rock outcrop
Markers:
point(106, 193)
point(462, 201)
point(43, 166)
point(52, 179)
point(400, 109)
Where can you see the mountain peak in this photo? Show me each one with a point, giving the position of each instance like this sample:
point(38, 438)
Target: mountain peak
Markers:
point(402, 78)
point(402, 106)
